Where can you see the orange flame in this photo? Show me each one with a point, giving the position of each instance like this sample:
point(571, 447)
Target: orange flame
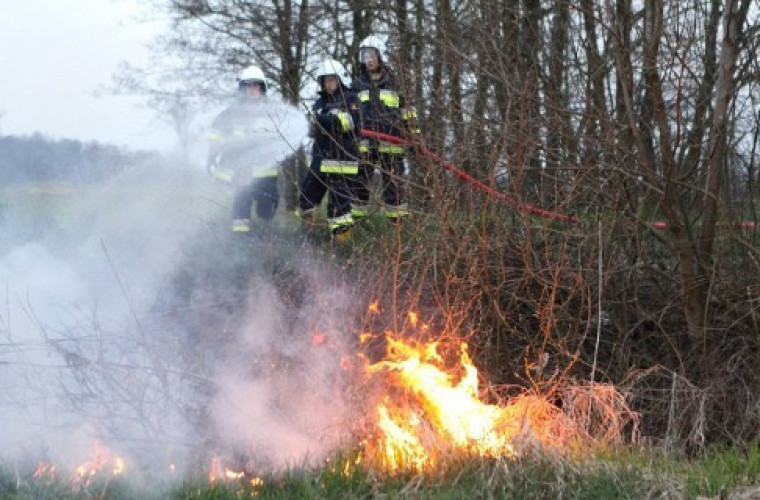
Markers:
point(413, 319)
point(101, 461)
point(218, 472)
point(429, 412)
point(364, 337)
point(44, 471)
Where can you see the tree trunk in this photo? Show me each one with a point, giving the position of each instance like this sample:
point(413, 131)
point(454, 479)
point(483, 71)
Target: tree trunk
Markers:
point(530, 114)
point(734, 15)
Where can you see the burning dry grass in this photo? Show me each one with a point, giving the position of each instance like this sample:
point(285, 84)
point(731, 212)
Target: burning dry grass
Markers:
point(100, 465)
point(428, 411)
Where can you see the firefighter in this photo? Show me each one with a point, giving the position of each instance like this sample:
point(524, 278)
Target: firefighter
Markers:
point(383, 109)
point(241, 150)
point(335, 154)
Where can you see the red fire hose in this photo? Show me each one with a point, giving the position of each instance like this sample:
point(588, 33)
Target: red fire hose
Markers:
point(522, 207)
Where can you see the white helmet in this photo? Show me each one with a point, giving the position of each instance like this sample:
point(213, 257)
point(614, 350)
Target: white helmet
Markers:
point(373, 42)
point(252, 74)
point(331, 67)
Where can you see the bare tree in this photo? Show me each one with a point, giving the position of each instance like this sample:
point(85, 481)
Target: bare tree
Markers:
point(654, 122)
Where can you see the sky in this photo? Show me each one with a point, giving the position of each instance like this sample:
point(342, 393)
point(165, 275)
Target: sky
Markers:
point(57, 56)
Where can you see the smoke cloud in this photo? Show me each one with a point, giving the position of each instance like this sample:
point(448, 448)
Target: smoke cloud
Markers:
point(284, 398)
point(132, 318)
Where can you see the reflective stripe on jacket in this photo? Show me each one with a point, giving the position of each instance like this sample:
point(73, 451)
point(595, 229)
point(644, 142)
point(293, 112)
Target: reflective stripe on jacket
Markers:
point(228, 175)
point(336, 126)
point(384, 109)
point(266, 172)
point(339, 167)
point(381, 147)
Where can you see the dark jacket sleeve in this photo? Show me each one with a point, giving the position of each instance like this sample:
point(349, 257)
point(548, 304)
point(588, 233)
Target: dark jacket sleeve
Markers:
point(328, 121)
point(323, 123)
point(313, 127)
point(355, 109)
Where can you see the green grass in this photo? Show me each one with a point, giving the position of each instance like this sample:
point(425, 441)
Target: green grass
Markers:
point(634, 475)
point(723, 470)
point(626, 477)
point(487, 479)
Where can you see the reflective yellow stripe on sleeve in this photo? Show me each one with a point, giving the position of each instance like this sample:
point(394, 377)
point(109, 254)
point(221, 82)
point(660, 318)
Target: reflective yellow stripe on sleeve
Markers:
point(267, 172)
point(215, 136)
point(390, 98)
point(223, 175)
point(346, 121)
point(339, 167)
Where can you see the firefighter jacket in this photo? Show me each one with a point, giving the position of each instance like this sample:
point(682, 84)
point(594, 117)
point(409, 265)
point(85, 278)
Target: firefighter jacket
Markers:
point(250, 138)
point(384, 109)
point(335, 130)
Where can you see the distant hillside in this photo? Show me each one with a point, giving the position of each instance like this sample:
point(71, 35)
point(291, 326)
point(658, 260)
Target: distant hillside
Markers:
point(37, 158)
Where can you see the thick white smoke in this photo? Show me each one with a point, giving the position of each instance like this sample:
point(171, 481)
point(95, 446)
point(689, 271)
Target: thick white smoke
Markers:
point(256, 135)
point(134, 320)
point(284, 399)
point(283, 128)
point(76, 294)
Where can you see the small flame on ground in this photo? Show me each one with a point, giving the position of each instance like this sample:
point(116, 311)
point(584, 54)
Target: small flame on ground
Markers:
point(232, 474)
point(118, 467)
point(365, 337)
point(44, 471)
point(220, 472)
point(413, 319)
point(101, 461)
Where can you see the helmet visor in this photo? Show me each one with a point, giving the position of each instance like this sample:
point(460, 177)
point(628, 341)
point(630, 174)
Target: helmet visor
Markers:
point(328, 78)
point(369, 54)
point(330, 83)
point(245, 85)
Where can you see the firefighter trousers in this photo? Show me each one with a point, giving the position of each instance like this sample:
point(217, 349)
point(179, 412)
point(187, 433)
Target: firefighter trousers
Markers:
point(391, 167)
point(339, 187)
point(261, 190)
